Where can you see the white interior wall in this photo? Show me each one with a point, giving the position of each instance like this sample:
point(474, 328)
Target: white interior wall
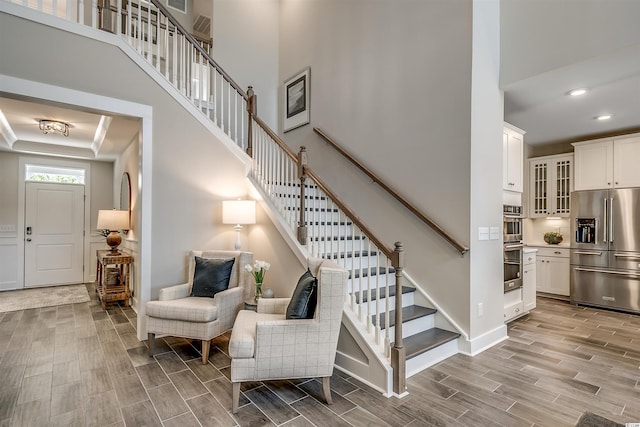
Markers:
point(486, 278)
point(245, 44)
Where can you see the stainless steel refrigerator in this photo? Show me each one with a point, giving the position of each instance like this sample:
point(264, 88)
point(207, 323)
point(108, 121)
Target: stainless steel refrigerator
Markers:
point(605, 248)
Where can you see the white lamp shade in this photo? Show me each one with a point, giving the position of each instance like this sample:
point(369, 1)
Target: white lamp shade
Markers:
point(113, 220)
point(239, 212)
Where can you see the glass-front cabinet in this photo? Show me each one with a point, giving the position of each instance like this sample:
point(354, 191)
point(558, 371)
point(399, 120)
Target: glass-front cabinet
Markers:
point(550, 186)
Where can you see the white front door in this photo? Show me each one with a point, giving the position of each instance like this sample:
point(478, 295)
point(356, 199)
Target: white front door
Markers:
point(54, 228)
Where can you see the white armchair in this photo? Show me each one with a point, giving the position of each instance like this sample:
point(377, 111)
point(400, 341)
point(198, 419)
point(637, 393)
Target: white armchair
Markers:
point(264, 345)
point(178, 314)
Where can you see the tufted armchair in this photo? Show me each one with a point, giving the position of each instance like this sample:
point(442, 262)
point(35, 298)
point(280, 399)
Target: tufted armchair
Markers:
point(178, 314)
point(264, 345)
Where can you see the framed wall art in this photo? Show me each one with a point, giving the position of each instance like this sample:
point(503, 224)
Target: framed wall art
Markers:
point(296, 100)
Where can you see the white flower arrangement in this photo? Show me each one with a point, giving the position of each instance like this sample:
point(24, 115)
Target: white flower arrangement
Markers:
point(258, 270)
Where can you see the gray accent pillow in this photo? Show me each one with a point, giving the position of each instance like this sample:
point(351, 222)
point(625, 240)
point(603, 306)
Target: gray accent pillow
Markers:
point(304, 299)
point(211, 276)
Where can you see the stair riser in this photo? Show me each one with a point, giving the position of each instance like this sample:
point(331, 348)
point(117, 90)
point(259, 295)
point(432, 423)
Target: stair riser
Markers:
point(374, 281)
point(370, 307)
point(363, 262)
point(321, 214)
point(415, 326)
point(339, 246)
point(330, 230)
point(431, 357)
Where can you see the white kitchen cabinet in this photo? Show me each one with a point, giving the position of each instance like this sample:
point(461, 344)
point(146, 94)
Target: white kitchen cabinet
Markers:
point(607, 163)
point(512, 148)
point(529, 280)
point(552, 270)
point(513, 305)
point(550, 186)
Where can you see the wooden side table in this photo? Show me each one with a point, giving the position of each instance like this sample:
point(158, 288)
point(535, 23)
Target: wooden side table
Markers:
point(113, 276)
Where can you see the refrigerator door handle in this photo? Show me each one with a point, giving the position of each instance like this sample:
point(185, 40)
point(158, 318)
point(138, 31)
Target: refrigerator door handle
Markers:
point(588, 253)
point(611, 220)
point(605, 224)
point(630, 256)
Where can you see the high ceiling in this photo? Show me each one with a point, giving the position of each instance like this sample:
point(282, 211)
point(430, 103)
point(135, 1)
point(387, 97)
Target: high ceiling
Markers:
point(599, 52)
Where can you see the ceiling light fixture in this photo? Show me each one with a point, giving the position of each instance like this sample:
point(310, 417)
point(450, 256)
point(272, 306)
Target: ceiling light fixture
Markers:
point(578, 92)
point(47, 126)
point(604, 117)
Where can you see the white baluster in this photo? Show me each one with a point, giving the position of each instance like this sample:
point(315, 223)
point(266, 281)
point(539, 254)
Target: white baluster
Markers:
point(387, 340)
point(81, 12)
point(377, 280)
point(149, 38)
point(119, 17)
point(139, 30)
point(94, 13)
point(158, 39)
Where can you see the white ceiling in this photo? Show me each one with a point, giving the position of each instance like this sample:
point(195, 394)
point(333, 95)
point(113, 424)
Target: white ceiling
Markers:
point(92, 135)
point(540, 105)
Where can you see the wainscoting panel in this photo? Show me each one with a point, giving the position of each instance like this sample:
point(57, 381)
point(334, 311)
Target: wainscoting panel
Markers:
point(9, 264)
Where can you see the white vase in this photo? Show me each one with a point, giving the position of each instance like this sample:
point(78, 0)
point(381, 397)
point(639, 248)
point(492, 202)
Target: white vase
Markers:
point(267, 293)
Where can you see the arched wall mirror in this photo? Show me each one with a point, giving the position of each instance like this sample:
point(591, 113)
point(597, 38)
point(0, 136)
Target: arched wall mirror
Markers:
point(125, 195)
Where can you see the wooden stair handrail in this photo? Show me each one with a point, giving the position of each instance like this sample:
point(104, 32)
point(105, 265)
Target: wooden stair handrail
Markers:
point(448, 237)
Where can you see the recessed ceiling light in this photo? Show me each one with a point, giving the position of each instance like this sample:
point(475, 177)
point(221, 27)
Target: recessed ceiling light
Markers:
point(578, 92)
point(604, 117)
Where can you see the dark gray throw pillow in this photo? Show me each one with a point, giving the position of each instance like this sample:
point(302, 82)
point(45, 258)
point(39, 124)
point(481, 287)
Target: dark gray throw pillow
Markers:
point(304, 299)
point(211, 276)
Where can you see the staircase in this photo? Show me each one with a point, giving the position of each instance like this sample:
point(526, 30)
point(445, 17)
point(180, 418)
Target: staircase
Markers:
point(380, 297)
point(372, 290)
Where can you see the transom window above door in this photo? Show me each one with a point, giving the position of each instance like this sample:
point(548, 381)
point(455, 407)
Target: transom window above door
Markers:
point(54, 174)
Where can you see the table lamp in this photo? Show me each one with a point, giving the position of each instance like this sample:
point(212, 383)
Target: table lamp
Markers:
point(238, 212)
point(113, 221)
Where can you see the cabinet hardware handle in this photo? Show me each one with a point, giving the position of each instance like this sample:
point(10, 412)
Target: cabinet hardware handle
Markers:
point(557, 252)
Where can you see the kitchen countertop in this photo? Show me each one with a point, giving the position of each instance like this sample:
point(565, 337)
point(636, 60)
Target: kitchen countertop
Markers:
point(546, 245)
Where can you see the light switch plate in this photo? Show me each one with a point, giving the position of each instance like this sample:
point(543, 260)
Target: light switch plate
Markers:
point(483, 233)
point(494, 233)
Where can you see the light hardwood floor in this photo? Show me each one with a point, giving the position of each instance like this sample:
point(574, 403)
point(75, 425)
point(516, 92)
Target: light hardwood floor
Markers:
point(79, 365)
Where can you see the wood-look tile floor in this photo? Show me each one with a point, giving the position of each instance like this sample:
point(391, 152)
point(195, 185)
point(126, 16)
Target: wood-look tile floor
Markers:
point(79, 365)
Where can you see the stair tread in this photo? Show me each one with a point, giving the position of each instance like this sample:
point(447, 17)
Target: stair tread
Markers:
point(420, 343)
point(409, 313)
point(383, 291)
point(372, 271)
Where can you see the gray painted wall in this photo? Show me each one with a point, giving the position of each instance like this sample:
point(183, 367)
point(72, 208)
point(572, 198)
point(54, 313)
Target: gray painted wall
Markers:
point(391, 82)
point(245, 44)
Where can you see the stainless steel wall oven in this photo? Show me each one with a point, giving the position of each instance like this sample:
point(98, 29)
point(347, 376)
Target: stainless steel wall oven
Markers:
point(512, 237)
